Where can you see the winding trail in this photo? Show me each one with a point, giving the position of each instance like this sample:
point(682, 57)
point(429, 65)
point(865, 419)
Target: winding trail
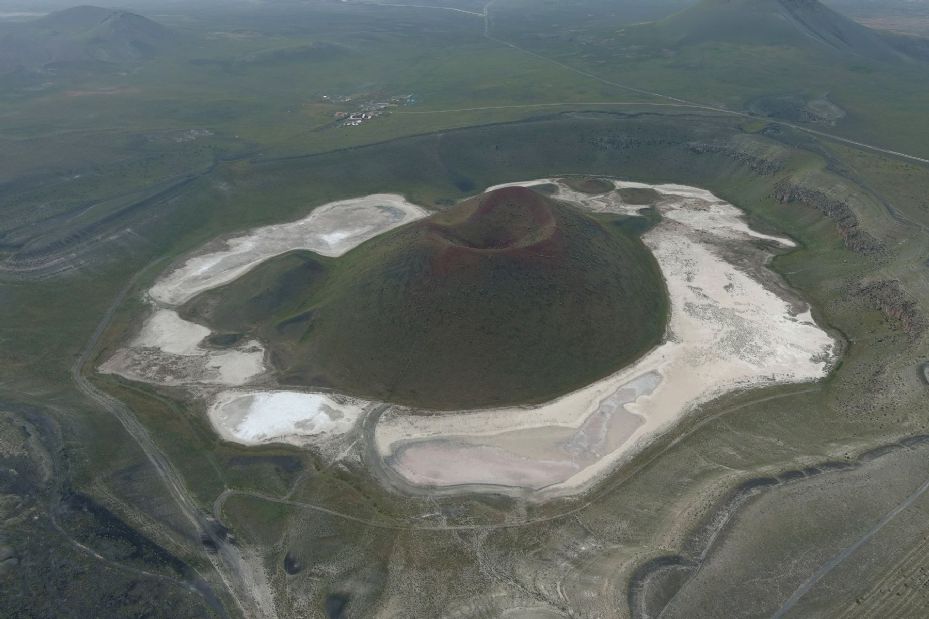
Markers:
point(844, 554)
point(247, 588)
point(594, 497)
point(207, 596)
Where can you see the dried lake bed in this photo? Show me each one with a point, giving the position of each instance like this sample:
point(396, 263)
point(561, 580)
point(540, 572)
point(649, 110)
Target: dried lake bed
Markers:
point(733, 325)
point(170, 350)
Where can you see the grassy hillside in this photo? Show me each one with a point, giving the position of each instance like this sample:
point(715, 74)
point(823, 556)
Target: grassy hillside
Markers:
point(82, 35)
point(733, 53)
point(803, 24)
point(505, 298)
point(902, 16)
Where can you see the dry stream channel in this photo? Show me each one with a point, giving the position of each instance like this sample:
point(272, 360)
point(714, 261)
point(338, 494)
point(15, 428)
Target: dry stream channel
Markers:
point(733, 325)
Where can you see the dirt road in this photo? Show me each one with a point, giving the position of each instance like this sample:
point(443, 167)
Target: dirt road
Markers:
point(245, 581)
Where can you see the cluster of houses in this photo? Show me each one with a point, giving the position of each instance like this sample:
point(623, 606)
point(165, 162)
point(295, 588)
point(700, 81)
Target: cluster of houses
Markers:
point(371, 109)
point(353, 120)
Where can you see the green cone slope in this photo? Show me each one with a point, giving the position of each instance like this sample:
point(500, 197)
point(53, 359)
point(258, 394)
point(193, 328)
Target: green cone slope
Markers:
point(507, 298)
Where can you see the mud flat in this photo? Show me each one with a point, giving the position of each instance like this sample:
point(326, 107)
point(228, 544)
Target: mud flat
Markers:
point(171, 351)
point(330, 230)
point(259, 417)
point(733, 325)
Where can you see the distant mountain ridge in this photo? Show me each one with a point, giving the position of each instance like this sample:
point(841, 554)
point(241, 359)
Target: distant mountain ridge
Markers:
point(82, 35)
point(801, 23)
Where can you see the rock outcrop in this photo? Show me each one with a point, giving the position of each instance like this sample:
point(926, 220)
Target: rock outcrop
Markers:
point(889, 297)
point(840, 212)
point(758, 165)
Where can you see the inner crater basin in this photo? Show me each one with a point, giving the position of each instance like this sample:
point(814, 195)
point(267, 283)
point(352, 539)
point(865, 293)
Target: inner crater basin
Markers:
point(506, 219)
point(505, 293)
point(510, 297)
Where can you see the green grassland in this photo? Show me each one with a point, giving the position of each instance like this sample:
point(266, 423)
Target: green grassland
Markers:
point(206, 98)
point(842, 415)
point(366, 550)
point(836, 417)
point(694, 55)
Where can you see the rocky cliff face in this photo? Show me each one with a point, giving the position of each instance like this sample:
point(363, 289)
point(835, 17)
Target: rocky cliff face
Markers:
point(891, 299)
point(758, 165)
point(845, 220)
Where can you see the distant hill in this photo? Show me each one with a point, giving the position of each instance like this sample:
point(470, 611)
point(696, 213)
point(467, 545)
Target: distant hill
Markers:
point(796, 23)
point(82, 35)
point(506, 298)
